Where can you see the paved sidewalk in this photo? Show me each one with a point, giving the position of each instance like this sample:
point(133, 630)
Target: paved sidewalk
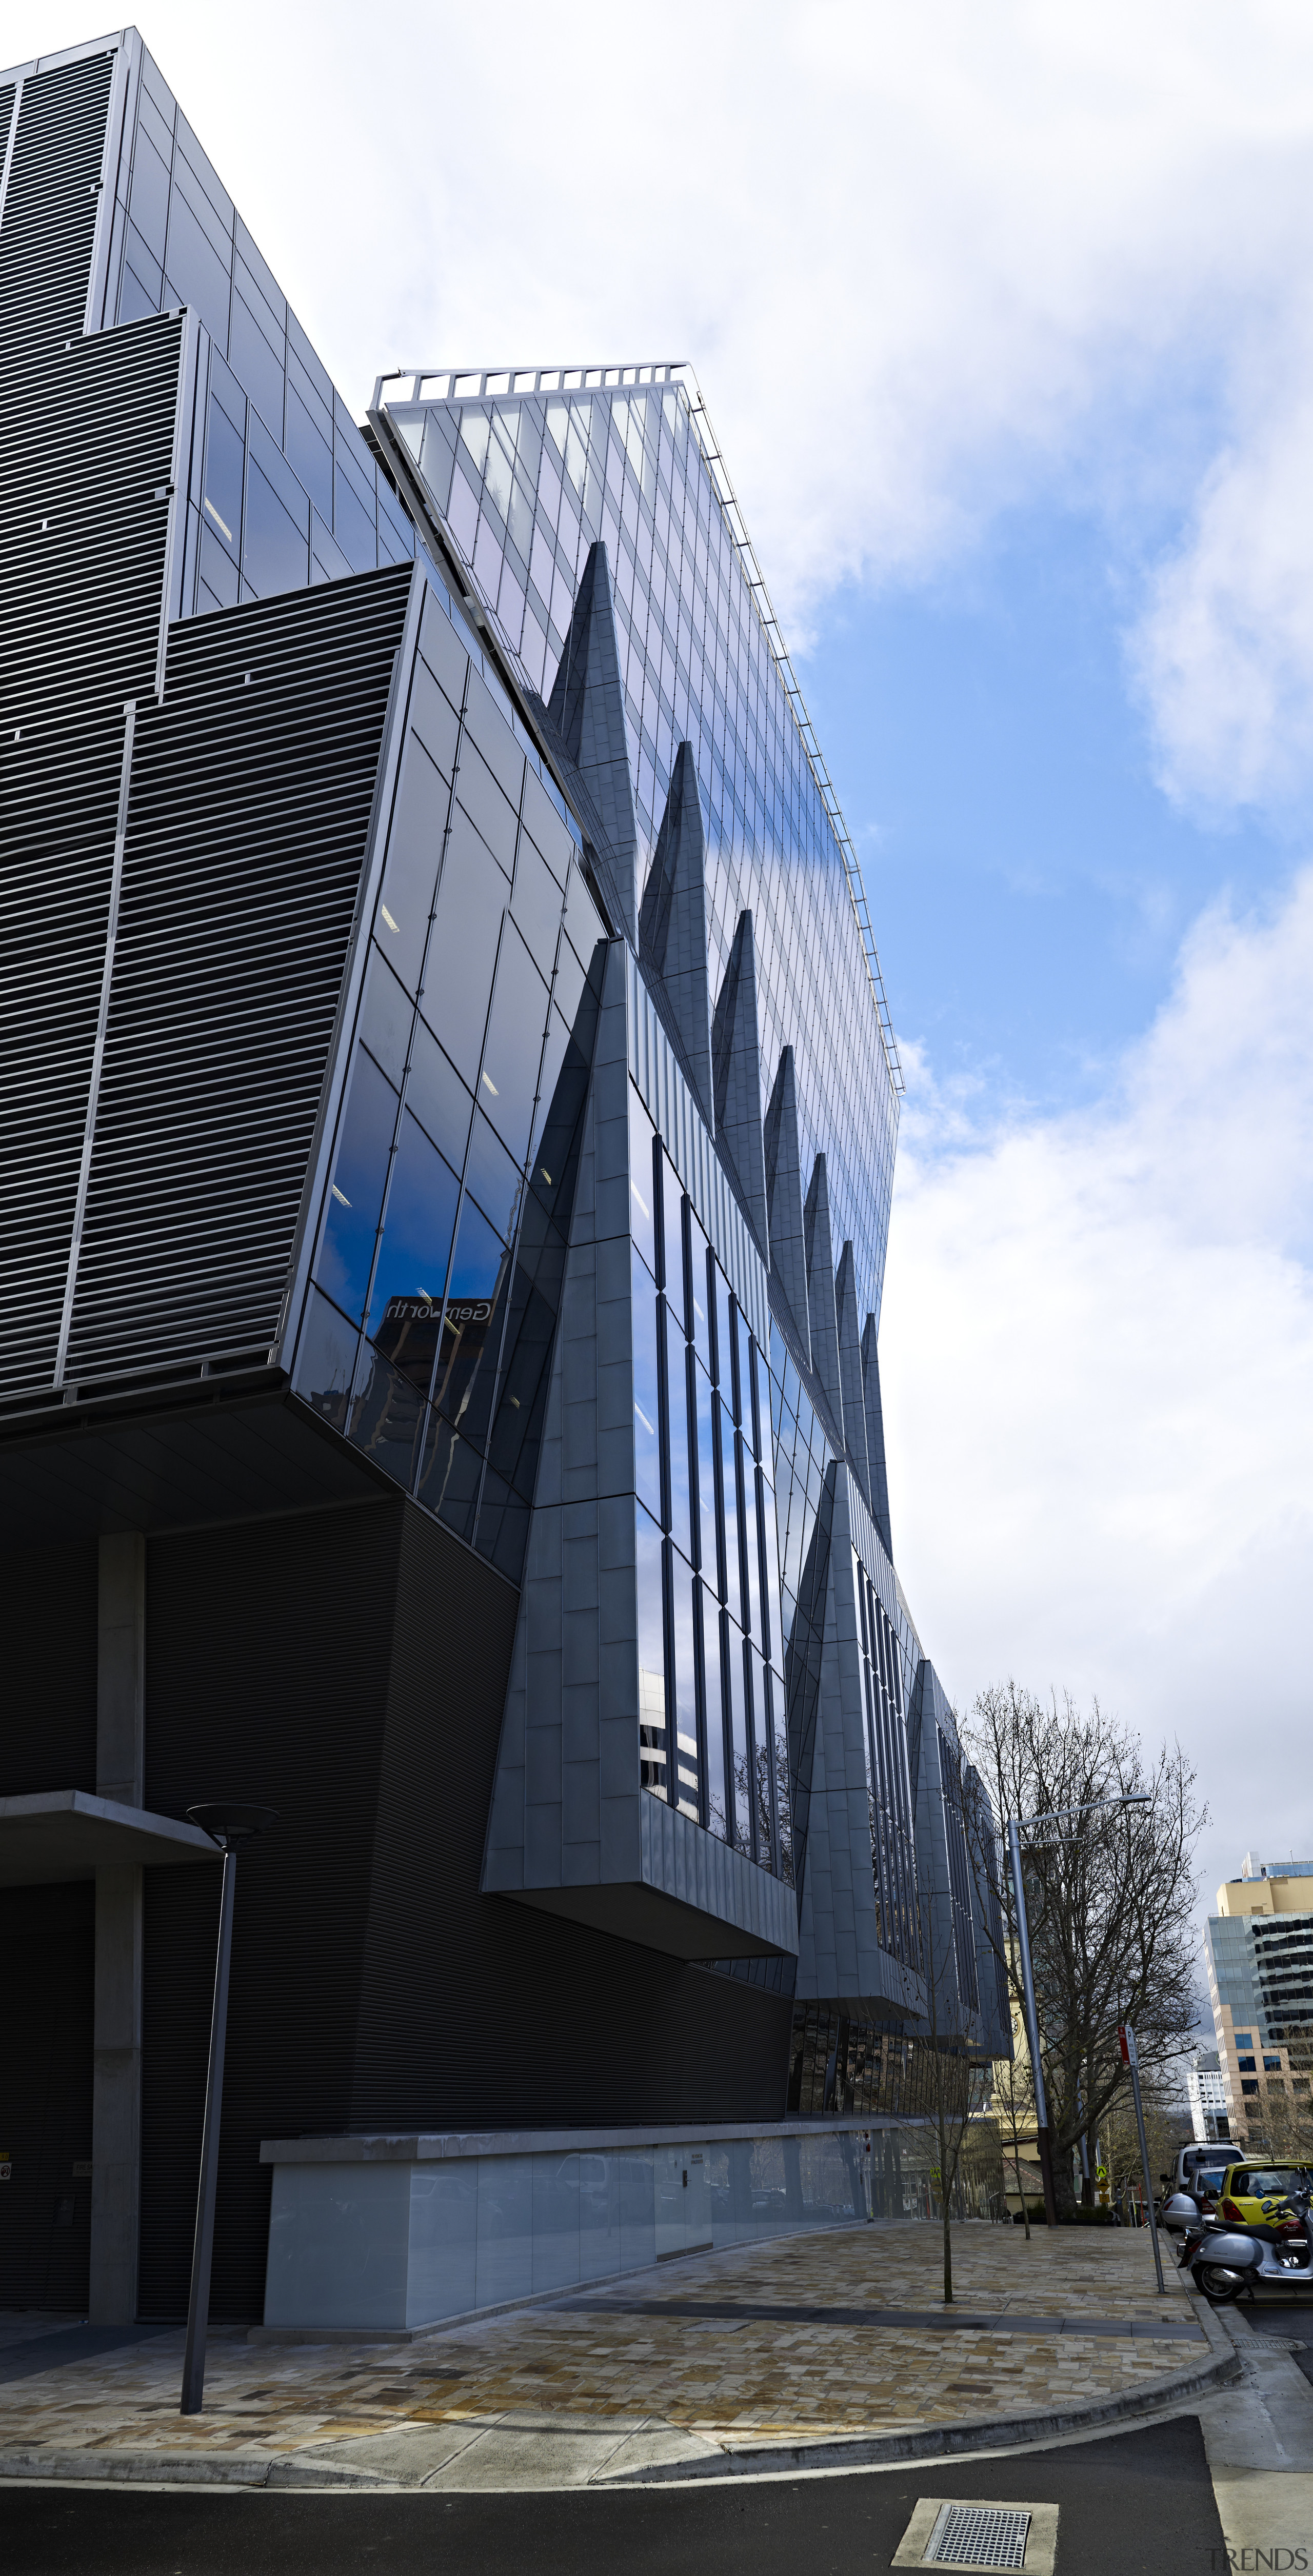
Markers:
point(828, 2341)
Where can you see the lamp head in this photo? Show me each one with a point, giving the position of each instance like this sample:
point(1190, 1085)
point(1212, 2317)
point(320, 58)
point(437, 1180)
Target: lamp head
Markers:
point(231, 1826)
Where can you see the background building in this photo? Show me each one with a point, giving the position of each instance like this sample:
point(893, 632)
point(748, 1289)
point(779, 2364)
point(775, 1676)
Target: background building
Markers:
point(1259, 1953)
point(451, 1109)
point(1206, 2092)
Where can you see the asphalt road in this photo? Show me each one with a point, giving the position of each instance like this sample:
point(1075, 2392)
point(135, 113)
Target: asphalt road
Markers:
point(1138, 2504)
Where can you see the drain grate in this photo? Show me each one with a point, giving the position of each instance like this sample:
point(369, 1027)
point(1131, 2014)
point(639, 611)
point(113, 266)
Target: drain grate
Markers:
point(978, 2535)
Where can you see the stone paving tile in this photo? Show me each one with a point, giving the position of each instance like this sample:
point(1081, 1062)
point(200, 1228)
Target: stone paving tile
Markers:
point(719, 2378)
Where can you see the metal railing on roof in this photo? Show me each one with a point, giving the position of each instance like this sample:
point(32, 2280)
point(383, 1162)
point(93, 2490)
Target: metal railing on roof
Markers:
point(486, 384)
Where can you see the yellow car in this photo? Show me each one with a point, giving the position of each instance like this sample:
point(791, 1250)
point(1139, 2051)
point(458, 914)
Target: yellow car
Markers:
point(1252, 2194)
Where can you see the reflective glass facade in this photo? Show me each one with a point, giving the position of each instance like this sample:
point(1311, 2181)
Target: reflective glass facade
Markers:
point(711, 1641)
point(524, 483)
point(442, 1235)
point(284, 488)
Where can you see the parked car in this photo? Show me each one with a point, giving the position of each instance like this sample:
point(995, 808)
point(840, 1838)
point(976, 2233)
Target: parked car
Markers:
point(1193, 2189)
point(1251, 2191)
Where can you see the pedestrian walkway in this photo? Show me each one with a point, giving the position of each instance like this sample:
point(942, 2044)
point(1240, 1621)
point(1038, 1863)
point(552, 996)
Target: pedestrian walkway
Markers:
point(1258, 2436)
point(824, 2339)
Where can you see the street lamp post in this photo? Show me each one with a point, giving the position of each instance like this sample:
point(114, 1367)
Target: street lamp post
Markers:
point(1017, 1825)
point(229, 1827)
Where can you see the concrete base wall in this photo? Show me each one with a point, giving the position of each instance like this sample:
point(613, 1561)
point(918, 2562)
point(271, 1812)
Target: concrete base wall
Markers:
point(408, 2232)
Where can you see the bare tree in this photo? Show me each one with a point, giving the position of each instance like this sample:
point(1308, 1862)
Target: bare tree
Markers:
point(1108, 1897)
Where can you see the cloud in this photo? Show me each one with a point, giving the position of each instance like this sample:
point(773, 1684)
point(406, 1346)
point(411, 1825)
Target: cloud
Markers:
point(1097, 1357)
point(925, 259)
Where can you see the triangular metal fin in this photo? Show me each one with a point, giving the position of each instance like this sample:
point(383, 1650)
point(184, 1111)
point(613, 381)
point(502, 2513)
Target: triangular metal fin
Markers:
point(587, 708)
point(788, 1247)
point(672, 925)
point(736, 1068)
point(850, 1365)
point(820, 1287)
point(875, 1436)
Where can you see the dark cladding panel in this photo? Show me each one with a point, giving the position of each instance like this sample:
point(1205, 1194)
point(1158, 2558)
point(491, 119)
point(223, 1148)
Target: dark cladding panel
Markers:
point(48, 1601)
point(47, 1943)
point(252, 792)
point(266, 1677)
point(348, 1667)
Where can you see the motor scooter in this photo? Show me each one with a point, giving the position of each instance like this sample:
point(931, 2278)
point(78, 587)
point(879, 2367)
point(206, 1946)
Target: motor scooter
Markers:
point(1225, 2257)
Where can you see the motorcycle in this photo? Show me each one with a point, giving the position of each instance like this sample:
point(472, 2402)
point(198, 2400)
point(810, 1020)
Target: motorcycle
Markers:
point(1224, 2257)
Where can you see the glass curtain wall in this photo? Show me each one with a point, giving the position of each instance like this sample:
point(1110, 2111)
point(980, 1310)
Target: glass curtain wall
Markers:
point(441, 1247)
point(525, 485)
point(710, 1635)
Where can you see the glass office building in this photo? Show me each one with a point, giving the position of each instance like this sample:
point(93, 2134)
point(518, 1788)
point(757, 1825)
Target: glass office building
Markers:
point(453, 1110)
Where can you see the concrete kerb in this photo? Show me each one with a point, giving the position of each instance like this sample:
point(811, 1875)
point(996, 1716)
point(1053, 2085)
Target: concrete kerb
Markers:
point(836, 2454)
point(940, 2441)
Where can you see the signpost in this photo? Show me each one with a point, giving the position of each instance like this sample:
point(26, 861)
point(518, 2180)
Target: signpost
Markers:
point(1131, 2058)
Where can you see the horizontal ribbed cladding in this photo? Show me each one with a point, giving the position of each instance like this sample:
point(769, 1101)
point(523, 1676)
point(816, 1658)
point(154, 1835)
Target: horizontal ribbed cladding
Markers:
point(247, 829)
point(86, 444)
point(79, 635)
point(50, 207)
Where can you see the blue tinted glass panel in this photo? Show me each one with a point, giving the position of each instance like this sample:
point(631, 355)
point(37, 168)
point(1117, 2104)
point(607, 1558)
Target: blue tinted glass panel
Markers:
point(434, 719)
point(417, 1232)
point(642, 1195)
point(779, 1758)
point(479, 1257)
point(740, 1753)
point(677, 1430)
point(772, 1629)
point(729, 1497)
point(508, 1082)
point(225, 459)
point(713, 1712)
point(309, 454)
point(704, 1462)
point(492, 1178)
point(463, 950)
point(751, 1543)
point(355, 1196)
point(218, 571)
point(449, 1476)
point(414, 850)
point(386, 1017)
point(438, 1097)
point(672, 1234)
point(386, 1413)
point(537, 905)
point(275, 552)
point(723, 1370)
point(743, 1374)
point(647, 1400)
point(699, 1318)
point(150, 194)
point(683, 1686)
point(325, 1361)
point(763, 1801)
point(648, 1552)
point(259, 367)
point(354, 531)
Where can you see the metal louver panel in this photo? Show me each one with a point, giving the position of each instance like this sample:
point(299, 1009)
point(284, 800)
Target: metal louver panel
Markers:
point(51, 205)
point(86, 451)
point(252, 790)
